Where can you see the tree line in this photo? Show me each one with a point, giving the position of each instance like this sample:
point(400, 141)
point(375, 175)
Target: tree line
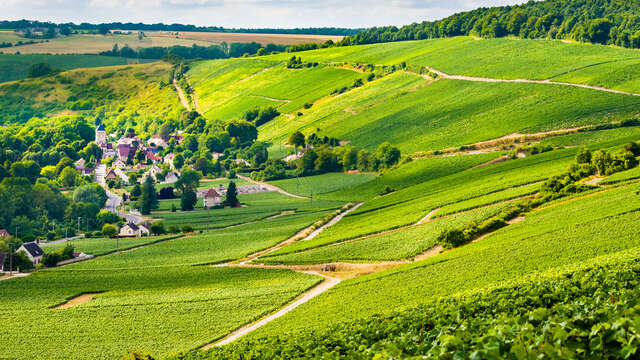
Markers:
point(221, 51)
point(23, 24)
point(613, 22)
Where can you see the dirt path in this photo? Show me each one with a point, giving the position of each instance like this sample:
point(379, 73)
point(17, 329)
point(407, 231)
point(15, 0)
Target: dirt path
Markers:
point(333, 221)
point(194, 96)
point(272, 187)
point(427, 217)
point(271, 99)
point(80, 299)
point(546, 82)
point(15, 275)
point(327, 284)
point(181, 95)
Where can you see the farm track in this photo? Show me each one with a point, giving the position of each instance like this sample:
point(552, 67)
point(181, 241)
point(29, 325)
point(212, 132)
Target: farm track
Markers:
point(444, 75)
point(271, 99)
point(194, 97)
point(181, 95)
point(272, 187)
point(77, 300)
point(332, 222)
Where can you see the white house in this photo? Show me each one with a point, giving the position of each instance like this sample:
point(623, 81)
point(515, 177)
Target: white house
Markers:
point(211, 198)
point(157, 141)
point(121, 175)
point(80, 164)
point(33, 251)
point(133, 230)
point(172, 177)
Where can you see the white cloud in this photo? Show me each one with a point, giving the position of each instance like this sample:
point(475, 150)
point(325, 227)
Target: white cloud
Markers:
point(243, 13)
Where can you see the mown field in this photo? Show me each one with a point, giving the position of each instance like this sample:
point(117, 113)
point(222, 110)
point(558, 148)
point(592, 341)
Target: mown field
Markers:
point(264, 39)
point(150, 299)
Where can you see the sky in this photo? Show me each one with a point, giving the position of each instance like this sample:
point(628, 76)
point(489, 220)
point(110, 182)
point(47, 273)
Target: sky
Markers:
point(243, 13)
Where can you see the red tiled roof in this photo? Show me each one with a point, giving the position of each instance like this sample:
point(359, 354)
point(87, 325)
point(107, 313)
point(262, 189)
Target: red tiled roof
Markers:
point(211, 193)
point(4, 233)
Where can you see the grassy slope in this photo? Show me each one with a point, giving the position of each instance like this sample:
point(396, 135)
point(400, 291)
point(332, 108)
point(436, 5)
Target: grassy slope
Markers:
point(323, 184)
point(122, 95)
point(15, 67)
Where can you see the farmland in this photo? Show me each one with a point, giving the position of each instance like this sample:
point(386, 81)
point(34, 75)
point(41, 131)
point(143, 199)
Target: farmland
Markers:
point(15, 67)
point(471, 150)
point(263, 39)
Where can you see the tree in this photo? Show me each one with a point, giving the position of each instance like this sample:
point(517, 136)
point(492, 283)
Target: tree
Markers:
point(165, 131)
point(364, 161)
point(598, 30)
point(350, 158)
point(107, 217)
point(307, 162)
point(93, 193)
point(136, 191)
point(157, 228)
point(27, 169)
point(297, 140)
point(242, 131)
point(387, 155)
point(109, 230)
point(583, 156)
point(188, 199)
point(39, 70)
point(148, 198)
point(231, 198)
point(68, 177)
point(190, 143)
point(633, 147)
point(326, 162)
point(178, 161)
point(189, 179)
point(205, 166)
point(91, 151)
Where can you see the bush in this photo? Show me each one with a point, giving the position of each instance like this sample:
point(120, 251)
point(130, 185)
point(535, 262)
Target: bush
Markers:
point(452, 238)
point(187, 229)
point(157, 228)
point(173, 229)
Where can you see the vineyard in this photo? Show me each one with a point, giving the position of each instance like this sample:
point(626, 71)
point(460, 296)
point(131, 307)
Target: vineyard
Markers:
point(537, 183)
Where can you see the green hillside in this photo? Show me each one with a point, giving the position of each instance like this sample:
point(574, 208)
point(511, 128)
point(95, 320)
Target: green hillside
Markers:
point(460, 198)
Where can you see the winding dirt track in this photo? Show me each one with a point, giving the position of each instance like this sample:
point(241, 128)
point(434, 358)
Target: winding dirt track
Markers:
point(325, 285)
point(547, 82)
point(183, 98)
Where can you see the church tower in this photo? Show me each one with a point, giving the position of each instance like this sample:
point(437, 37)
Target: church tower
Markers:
point(101, 135)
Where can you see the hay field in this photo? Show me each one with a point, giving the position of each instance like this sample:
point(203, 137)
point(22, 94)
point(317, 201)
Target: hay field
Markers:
point(263, 39)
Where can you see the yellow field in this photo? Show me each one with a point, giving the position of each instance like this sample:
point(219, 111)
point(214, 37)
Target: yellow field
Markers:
point(93, 44)
point(280, 39)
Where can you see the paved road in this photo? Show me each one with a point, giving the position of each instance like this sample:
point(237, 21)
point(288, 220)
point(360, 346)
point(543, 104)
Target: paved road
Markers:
point(113, 200)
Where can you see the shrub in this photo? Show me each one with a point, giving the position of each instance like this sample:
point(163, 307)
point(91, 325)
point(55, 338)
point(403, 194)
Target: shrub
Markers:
point(452, 238)
point(187, 228)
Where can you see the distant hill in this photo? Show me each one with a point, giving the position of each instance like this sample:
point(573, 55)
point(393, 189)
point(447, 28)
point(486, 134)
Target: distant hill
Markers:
point(615, 22)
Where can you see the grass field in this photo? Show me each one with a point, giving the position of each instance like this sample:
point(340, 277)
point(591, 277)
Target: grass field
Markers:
point(15, 67)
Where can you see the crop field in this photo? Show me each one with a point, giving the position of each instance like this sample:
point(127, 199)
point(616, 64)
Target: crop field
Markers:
point(15, 67)
point(409, 205)
point(412, 173)
point(247, 85)
point(441, 114)
point(152, 299)
point(497, 58)
point(102, 246)
point(568, 233)
point(398, 245)
point(263, 39)
point(94, 44)
point(323, 184)
point(159, 311)
point(258, 206)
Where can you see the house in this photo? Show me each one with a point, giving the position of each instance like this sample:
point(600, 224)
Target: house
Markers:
point(211, 198)
point(80, 164)
point(168, 159)
point(133, 230)
point(119, 164)
point(121, 175)
point(107, 150)
point(86, 172)
point(153, 171)
point(111, 175)
point(216, 155)
point(157, 141)
point(171, 177)
point(123, 151)
point(4, 233)
point(3, 257)
point(152, 156)
point(101, 135)
point(33, 251)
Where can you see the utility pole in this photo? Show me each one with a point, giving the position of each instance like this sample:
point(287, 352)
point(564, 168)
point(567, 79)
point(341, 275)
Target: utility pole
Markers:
point(11, 258)
point(87, 224)
point(79, 217)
